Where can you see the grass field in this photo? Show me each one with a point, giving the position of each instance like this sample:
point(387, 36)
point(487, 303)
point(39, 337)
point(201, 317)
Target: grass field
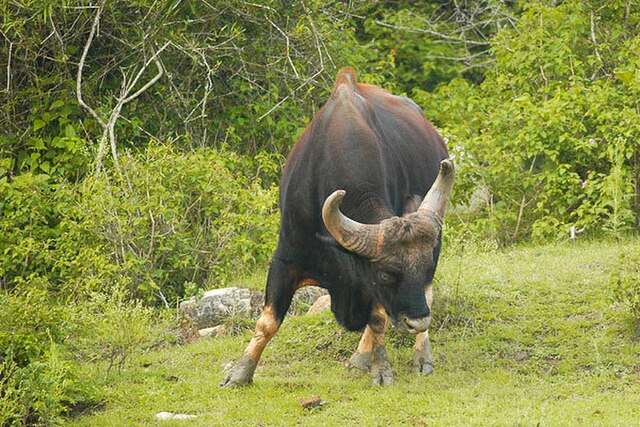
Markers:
point(527, 336)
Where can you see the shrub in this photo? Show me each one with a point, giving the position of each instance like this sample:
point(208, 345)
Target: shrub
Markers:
point(113, 328)
point(173, 219)
point(38, 380)
point(30, 214)
point(552, 133)
point(625, 280)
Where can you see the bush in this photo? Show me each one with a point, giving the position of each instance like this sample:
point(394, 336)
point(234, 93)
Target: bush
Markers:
point(113, 328)
point(173, 219)
point(31, 207)
point(38, 380)
point(552, 133)
point(111, 244)
point(625, 281)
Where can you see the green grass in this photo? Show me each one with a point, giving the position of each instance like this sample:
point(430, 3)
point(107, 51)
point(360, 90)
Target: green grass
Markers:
point(528, 336)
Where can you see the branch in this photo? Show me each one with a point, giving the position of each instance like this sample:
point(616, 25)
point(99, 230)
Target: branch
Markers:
point(8, 62)
point(593, 38)
point(524, 202)
point(315, 34)
point(150, 83)
point(125, 98)
point(9, 69)
point(433, 33)
point(461, 58)
point(96, 21)
point(108, 133)
point(286, 37)
point(288, 96)
point(595, 47)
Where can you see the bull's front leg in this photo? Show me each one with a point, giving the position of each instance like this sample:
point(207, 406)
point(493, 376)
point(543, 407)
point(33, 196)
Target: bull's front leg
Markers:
point(371, 353)
point(422, 358)
point(242, 371)
point(281, 285)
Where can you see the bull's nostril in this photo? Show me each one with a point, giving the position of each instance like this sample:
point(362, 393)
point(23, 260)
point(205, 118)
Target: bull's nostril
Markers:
point(417, 325)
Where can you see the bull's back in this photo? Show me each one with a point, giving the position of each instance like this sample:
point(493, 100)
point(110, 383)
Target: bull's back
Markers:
point(366, 141)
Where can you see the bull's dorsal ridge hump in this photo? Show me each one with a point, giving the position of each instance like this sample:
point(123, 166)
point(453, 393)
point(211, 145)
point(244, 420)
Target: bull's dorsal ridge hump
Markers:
point(346, 79)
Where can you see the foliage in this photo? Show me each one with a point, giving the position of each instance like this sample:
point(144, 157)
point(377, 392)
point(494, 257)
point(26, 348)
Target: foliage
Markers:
point(432, 42)
point(115, 327)
point(178, 218)
point(38, 380)
point(51, 144)
point(625, 281)
point(552, 133)
point(30, 206)
point(175, 218)
point(235, 72)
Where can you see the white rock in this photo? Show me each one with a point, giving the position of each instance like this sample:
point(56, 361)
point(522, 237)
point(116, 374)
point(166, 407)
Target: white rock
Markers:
point(304, 298)
point(164, 415)
point(170, 416)
point(323, 303)
point(212, 332)
point(184, 417)
point(217, 306)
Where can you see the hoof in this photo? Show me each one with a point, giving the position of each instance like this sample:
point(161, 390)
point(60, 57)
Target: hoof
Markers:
point(382, 376)
point(381, 373)
point(424, 369)
point(421, 366)
point(241, 374)
point(361, 361)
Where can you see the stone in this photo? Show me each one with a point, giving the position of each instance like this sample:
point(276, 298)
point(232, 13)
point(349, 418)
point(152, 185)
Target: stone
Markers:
point(304, 298)
point(217, 306)
point(184, 417)
point(322, 304)
point(213, 331)
point(164, 415)
point(170, 416)
point(312, 402)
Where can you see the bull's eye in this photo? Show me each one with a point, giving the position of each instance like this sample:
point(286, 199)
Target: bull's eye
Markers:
point(385, 278)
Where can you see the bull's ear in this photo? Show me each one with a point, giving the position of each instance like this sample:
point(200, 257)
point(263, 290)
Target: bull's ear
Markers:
point(327, 240)
point(412, 204)
point(363, 239)
point(436, 201)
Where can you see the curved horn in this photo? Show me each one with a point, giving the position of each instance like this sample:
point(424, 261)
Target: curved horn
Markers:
point(437, 199)
point(362, 239)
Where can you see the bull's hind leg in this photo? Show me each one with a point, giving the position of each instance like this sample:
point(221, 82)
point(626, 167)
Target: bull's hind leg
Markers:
point(422, 358)
point(371, 353)
point(281, 285)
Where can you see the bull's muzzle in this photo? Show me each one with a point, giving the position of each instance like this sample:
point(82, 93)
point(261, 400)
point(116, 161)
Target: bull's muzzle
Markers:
point(415, 326)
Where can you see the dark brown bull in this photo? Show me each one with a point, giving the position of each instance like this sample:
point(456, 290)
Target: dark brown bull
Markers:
point(353, 221)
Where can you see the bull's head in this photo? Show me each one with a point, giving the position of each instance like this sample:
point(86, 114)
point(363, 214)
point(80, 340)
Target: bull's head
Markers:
point(400, 250)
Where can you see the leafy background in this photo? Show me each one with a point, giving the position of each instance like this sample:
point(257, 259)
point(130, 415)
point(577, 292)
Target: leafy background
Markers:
point(539, 103)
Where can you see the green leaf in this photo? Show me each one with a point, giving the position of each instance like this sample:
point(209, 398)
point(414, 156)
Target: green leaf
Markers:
point(69, 131)
point(38, 124)
point(56, 104)
point(626, 77)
